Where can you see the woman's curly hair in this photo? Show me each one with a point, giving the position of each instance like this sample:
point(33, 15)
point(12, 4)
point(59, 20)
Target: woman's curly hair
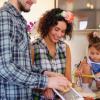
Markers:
point(50, 19)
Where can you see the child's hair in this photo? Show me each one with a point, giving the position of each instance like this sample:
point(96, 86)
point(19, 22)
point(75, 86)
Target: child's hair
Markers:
point(50, 19)
point(94, 40)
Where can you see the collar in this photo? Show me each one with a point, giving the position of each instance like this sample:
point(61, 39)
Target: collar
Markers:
point(12, 10)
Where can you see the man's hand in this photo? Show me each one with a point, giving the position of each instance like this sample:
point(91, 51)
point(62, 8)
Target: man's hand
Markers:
point(59, 83)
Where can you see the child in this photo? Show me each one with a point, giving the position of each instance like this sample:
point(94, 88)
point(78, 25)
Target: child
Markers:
point(91, 65)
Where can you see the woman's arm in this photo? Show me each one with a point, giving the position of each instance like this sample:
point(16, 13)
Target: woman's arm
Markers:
point(68, 64)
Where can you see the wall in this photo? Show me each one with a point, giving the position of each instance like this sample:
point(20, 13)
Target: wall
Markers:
point(78, 46)
point(37, 9)
point(1, 2)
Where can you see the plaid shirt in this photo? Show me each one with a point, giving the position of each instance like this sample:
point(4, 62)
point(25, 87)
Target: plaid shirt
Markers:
point(43, 60)
point(16, 76)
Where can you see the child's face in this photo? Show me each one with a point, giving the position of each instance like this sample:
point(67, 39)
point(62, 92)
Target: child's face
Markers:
point(94, 54)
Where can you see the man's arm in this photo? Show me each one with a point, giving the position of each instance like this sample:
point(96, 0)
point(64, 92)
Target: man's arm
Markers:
point(8, 69)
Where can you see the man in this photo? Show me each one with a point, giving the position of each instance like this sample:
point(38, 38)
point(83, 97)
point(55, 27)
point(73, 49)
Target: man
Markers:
point(16, 76)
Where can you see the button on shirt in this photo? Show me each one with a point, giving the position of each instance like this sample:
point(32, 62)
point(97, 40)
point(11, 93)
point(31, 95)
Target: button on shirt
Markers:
point(16, 76)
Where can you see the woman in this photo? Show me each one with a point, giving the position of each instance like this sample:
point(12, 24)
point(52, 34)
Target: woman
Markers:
point(49, 52)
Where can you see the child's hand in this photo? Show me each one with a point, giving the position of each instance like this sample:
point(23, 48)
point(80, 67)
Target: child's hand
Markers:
point(48, 94)
point(78, 72)
point(98, 84)
point(97, 78)
point(97, 75)
point(83, 62)
point(81, 69)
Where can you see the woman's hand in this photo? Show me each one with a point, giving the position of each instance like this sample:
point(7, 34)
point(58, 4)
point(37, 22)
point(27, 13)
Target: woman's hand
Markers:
point(48, 94)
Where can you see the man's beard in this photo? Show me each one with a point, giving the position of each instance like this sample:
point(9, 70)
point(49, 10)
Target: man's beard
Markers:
point(22, 8)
